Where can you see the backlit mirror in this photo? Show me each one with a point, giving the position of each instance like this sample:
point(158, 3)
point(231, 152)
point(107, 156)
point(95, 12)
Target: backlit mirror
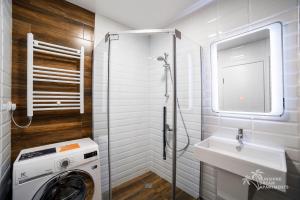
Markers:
point(247, 75)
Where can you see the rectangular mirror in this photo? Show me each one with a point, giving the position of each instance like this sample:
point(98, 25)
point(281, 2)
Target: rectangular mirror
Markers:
point(247, 72)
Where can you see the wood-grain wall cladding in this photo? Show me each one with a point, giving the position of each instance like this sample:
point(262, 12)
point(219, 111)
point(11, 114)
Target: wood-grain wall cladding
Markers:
point(57, 22)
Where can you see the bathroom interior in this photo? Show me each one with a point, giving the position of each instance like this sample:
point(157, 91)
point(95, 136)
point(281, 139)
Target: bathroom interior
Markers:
point(150, 100)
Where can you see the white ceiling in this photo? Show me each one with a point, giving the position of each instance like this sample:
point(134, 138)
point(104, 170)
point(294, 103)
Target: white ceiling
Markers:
point(142, 13)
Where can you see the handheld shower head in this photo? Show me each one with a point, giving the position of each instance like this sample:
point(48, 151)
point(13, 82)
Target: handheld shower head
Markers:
point(163, 58)
point(160, 58)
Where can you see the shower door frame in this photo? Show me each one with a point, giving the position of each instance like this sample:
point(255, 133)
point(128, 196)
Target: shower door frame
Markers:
point(175, 35)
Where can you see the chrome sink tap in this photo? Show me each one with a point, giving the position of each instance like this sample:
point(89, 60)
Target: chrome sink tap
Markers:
point(239, 138)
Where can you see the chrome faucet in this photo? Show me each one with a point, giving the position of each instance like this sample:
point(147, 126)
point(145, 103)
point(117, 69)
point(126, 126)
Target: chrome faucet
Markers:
point(239, 138)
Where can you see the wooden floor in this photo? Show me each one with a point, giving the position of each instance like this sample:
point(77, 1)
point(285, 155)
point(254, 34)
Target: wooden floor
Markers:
point(139, 189)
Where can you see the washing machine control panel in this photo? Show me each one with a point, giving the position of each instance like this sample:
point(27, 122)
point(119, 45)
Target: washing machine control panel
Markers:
point(90, 154)
point(35, 154)
point(64, 163)
point(75, 159)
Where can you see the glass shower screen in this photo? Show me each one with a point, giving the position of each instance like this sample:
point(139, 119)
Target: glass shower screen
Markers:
point(134, 113)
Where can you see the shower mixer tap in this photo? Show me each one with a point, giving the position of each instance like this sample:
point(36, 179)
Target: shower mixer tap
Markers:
point(166, 127)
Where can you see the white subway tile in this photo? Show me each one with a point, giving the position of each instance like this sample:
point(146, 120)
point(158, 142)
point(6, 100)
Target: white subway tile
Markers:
point(276, 127)
point(5, 89)
point(236, 123)
point(260, 9)
point(275, 139)
point(232, 14)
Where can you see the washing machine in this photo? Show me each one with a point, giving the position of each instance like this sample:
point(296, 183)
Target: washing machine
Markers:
point(62, 171)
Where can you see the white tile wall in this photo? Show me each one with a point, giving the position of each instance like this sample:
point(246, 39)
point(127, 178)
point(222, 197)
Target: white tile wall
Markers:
point(223, 17)
point(5, 93)
point(129, 108)
point(99, 109)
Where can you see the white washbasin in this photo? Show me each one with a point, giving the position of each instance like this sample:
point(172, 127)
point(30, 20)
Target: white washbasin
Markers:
point(222, 153)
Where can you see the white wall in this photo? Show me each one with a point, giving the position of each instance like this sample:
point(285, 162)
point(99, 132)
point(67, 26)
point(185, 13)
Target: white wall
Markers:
point(100, 109)
point(129, 135)
point(129, 138)
point(225, 17)
point(103, 25)
point(5, 93)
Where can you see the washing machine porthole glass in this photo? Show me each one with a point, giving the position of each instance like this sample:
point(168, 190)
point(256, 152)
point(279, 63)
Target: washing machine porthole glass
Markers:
point(69, 185)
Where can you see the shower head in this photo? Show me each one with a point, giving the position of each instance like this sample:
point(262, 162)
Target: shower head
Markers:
point(163, 58)
point(160, 58)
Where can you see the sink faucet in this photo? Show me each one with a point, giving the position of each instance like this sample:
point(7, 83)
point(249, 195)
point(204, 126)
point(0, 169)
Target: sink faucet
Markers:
point(239, 138)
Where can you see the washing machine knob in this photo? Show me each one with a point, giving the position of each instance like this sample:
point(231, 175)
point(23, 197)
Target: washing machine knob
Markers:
point(65, 163)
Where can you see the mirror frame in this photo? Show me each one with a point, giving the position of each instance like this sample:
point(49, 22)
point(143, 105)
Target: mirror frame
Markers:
point(276, 71)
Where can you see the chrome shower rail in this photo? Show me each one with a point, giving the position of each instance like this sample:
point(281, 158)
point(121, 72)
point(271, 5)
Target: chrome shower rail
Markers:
point(174, 32)
point(46, 100)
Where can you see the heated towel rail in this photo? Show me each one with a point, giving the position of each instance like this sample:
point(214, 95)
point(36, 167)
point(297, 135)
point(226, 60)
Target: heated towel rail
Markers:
point(51, 100)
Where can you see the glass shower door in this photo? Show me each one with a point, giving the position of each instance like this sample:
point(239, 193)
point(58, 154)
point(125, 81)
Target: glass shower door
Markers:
point(136, 102)
point(135, 111)
point(188, 65)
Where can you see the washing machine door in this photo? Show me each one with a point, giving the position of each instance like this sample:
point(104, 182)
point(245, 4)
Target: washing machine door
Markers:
point(69, 185)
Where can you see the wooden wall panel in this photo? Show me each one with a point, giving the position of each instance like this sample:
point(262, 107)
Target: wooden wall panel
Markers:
point(58, 22)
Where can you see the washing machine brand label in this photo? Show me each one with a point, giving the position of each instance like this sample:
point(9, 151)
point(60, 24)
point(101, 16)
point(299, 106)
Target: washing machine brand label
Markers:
point(23, 175)
point(31, 173)
point(24, 178)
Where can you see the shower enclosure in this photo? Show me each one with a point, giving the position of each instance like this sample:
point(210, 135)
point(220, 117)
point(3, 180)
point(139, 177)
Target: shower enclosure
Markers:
point(147, 114)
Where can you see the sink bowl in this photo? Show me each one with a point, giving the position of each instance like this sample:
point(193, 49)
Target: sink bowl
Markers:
point(256, 162)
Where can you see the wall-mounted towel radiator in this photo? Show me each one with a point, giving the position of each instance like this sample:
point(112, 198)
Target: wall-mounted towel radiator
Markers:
point(51, 100)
